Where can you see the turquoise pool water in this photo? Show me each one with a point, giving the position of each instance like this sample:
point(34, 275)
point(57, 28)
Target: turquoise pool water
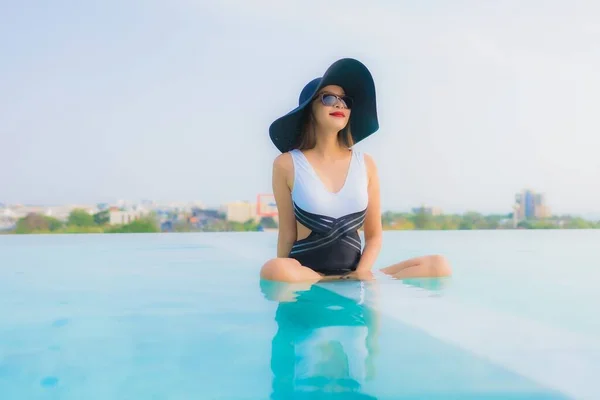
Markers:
point(182, 316)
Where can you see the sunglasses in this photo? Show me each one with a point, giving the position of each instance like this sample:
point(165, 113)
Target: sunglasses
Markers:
point(330, 100)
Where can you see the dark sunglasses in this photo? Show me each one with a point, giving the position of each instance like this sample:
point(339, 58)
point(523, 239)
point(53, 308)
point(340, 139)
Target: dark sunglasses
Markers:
point(330, 100)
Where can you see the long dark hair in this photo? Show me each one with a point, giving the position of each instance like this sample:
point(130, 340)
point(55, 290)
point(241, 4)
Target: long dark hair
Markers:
point(307, 137)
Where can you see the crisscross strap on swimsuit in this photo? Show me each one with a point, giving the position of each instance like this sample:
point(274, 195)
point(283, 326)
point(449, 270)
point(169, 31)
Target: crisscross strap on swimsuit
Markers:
point(330, 230)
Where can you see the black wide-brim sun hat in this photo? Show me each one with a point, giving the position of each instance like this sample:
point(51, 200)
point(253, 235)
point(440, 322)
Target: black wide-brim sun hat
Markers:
point(357, 82)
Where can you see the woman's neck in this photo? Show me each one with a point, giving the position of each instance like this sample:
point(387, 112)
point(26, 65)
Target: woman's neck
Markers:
point(328, 146)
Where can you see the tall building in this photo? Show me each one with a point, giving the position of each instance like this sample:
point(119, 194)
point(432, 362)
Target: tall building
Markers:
point(530, 205)
point(541, 209)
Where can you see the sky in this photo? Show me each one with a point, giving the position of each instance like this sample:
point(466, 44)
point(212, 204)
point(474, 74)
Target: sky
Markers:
point(101, 101)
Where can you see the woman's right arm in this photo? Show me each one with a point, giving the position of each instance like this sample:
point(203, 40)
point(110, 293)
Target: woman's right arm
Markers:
point(283, 168)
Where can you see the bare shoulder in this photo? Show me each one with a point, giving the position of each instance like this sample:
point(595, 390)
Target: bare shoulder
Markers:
point(283, 162)
point(283, 169)
point(371, 164)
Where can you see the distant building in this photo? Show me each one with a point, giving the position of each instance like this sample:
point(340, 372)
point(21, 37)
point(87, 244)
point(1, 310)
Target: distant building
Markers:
point(530, 205)
point(203, 217)
point(178, 206)
point(8, 219)
point(202, 213)
point(7, 213)
point(433, 211)
point(540, 208)
point(118, 216)
point(59, 212)
point(240, 211)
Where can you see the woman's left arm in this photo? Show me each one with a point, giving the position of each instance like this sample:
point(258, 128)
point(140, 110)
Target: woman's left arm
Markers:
point(372, 227)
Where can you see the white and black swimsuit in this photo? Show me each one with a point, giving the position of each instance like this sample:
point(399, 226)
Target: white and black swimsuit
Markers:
point(334, 246)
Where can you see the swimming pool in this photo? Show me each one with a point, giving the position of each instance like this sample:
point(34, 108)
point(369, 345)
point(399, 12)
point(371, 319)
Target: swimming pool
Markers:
point(181, 316)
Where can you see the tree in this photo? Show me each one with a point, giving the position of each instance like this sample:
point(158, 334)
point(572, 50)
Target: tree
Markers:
point(525, 224)
point(543, 224)
point(81, 218)
point(388, 218)
point(142, 225)
point(34, 222)
point(474, 220)
point(448, 222)
point(102, 217)
point(578, 223)
point(403, 224)
point(268, 223)
point(422, 220)
point(466, 224)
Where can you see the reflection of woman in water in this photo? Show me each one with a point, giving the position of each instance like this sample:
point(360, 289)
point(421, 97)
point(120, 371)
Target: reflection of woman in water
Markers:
point(325, 343)
point(325, 190)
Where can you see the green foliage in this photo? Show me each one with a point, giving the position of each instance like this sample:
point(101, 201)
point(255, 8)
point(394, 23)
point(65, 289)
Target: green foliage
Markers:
point(422, 220)
point(102, 217)
point(388, 218)
point(579, 223)
point(182, 226)
point(268, 223)
point(142, 225)
point(399, 222)
point(80, 218)
point(216, 226)
point(539, 224)
point(37, 223)
point(250, 225)
point(559, 223)
point(53, 224)
point(448, 222)
point(231, 226)
point(247, 226)
point(474, 220)
point(79, 221)
point(80, 229)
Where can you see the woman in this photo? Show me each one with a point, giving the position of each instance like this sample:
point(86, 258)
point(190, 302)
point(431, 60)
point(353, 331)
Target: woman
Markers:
point(325, 190)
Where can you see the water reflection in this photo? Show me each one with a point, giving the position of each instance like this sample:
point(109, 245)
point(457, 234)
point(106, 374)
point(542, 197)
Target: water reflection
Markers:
point(326, 343)
point(436, 286)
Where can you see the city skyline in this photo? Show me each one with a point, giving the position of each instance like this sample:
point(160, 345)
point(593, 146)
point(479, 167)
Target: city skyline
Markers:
point(107, 101)
point(530, 212)
point(520, 210)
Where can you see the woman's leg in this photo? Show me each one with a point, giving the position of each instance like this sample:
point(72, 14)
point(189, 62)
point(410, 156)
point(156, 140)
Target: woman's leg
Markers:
point(420, 267)
point(282, 278)
point(288, 270)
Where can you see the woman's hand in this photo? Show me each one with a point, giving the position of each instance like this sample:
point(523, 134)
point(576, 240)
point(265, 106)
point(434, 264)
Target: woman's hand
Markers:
point(361, 275)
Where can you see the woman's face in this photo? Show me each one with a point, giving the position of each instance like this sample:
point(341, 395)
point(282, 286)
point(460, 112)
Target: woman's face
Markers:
point(335, 113)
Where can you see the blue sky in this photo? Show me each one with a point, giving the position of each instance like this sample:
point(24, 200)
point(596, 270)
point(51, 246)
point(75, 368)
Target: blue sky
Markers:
point(172, 100)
